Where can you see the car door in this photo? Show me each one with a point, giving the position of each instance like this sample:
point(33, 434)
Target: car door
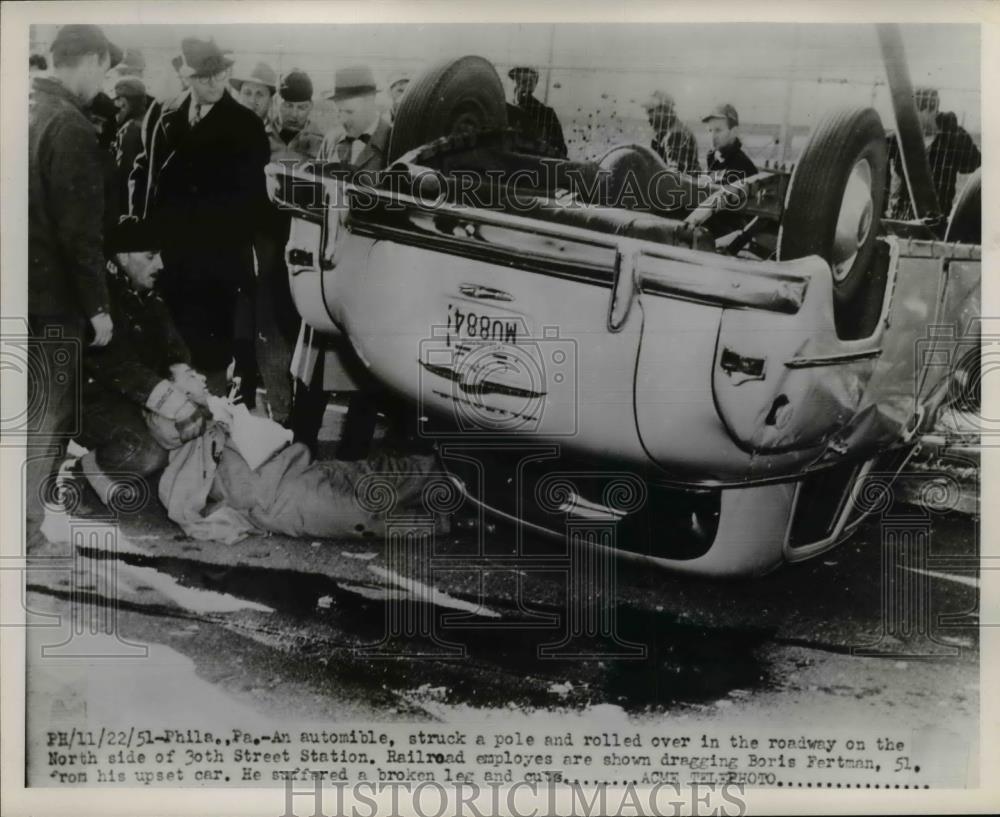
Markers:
point(498, 324)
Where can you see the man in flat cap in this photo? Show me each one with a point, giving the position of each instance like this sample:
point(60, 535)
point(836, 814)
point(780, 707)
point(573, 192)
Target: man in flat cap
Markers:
point(256, 88)
point(66, 277)
point(726, 160)
point(294, 139)
point(292, 132)
point(530, 116)
point(206, 192)
point(950, 151)
point(130, 378)
point(672, 139)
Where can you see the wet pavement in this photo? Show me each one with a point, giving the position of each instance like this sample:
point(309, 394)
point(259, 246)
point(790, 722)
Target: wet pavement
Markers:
point(338, 630)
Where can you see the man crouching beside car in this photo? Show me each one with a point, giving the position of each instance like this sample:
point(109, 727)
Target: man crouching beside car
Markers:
point(129, 380)
point(225, 473)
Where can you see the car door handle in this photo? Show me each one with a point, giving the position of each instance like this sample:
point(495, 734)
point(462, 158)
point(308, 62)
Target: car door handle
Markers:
point(299, 260)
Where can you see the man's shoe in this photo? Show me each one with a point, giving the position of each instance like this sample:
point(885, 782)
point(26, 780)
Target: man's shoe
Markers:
point(79, 498)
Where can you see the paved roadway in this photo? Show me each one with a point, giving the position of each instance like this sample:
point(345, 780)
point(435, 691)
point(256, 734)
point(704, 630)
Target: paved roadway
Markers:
point(287, 628)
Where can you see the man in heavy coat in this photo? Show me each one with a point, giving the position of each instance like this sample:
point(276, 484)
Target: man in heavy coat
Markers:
point(129, 379)
point(323, 363)
point(532, 117)
point(67, 291)
point(204, 164)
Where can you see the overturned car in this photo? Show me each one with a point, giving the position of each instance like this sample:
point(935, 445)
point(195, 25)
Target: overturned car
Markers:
point(722, 372)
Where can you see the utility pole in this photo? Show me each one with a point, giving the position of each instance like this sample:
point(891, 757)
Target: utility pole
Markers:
point(548, 72)
point(785, 135)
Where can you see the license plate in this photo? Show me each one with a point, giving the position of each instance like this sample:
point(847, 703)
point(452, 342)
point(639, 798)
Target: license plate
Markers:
point(465, 324)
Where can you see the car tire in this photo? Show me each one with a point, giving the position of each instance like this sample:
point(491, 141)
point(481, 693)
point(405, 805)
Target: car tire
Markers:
point(452, 96)
point(966, 221)
point(832, 209)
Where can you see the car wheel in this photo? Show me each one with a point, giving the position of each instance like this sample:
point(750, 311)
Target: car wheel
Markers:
point(463, 95)
point(966, 221)
point(835, 198)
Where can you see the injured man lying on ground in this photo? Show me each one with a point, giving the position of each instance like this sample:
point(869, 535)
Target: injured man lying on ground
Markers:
point(243, 475)
point(226, 473)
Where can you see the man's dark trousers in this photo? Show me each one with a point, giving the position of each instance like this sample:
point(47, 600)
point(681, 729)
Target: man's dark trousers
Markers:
point(55, 353)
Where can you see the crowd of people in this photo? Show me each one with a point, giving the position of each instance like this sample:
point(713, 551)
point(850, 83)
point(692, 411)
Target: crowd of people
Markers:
point(153, 244)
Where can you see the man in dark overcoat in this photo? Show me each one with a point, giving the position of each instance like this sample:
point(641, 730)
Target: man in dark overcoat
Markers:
point(204, 167)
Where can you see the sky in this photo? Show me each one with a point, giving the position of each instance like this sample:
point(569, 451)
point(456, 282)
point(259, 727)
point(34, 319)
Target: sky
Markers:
point(760, 68)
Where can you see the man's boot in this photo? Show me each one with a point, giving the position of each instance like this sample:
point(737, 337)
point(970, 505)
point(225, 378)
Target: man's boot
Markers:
point(79, 498)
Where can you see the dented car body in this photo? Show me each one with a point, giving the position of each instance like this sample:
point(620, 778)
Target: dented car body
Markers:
point(626, 366)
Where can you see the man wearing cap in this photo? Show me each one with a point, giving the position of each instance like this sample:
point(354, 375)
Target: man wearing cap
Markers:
point(292, 133)
point(130, 378)
point(133, 64)
point(66, 277)
point(256, 89)
point(321, 363)
point(294, 138)
point(398, 83)
point(672, 140)
point(950, 151)
point(205, 171)
point(362, 140)
point(726, 160)
point(131, 100)
point(530, 116)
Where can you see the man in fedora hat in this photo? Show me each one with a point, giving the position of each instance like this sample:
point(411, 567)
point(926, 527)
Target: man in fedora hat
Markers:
point(324, 364)
point(362, 140)
point(398, 83)
point(206, 192)
point(133, 64)
point(67, 290)
point(672, 139)
point(530, 116)
point(256, 88)
point(293, 138)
